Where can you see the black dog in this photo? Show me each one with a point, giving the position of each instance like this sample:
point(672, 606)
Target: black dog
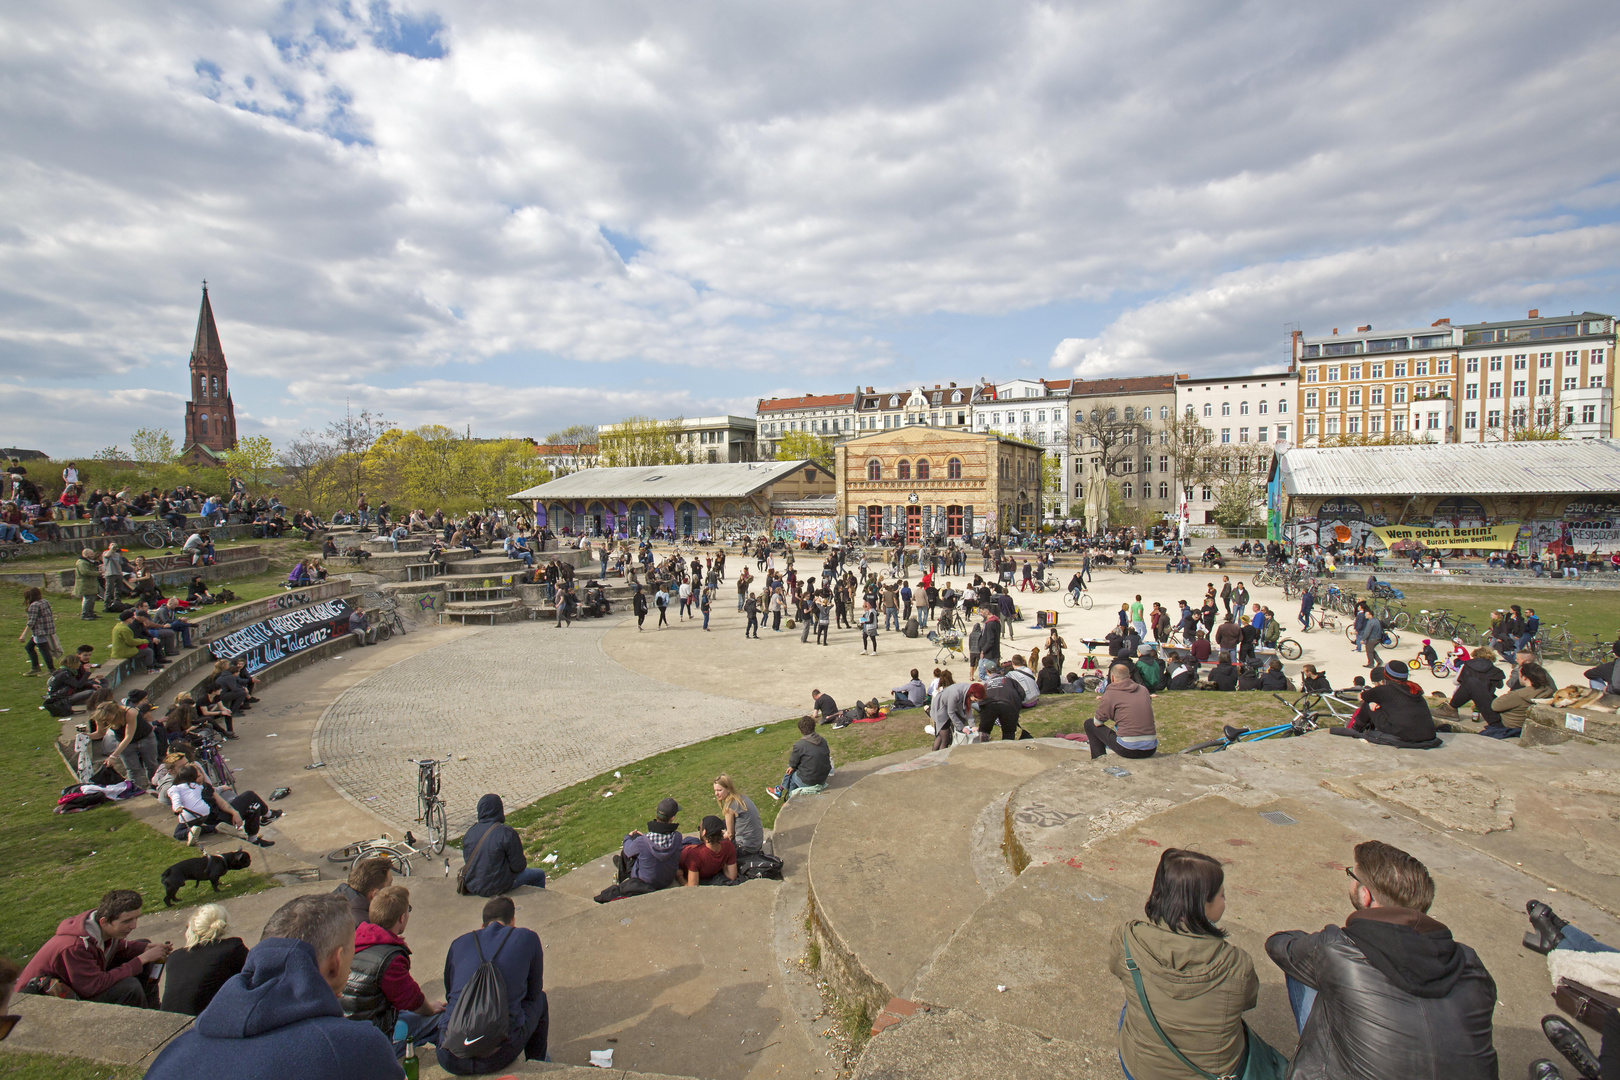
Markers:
point(209, 868)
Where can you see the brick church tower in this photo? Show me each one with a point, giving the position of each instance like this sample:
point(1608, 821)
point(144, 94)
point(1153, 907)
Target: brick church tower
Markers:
point(210, 414)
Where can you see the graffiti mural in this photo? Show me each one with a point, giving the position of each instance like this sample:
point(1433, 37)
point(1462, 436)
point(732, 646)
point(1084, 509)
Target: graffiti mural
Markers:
point(726, 528)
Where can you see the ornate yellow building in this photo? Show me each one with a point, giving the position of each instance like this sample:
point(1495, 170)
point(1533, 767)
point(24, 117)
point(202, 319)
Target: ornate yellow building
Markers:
point(928, 483)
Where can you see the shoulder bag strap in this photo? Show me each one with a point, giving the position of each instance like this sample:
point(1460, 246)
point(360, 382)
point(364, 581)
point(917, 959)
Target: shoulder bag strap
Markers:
point(478, 847)
point(1141, 995)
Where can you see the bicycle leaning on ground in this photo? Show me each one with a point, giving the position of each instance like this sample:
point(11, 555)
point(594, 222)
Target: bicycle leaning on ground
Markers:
point(1304, 720)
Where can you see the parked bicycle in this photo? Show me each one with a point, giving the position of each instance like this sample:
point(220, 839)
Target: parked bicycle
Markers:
point(429, 806)
point(162, 536)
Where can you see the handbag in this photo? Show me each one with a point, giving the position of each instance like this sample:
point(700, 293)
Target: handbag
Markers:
point(461, 875)
point(1260, 1060)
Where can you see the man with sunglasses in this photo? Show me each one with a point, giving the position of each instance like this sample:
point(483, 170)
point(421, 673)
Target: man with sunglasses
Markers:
point(1390, 993)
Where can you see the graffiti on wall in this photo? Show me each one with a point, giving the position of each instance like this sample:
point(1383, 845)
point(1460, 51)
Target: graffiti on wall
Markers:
point(740, 526)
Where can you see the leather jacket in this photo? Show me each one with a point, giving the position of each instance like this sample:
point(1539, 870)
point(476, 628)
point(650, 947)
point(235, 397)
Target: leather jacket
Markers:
point(1397, 997)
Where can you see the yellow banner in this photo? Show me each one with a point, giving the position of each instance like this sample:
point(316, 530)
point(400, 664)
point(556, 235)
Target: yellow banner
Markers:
point(1486, 536)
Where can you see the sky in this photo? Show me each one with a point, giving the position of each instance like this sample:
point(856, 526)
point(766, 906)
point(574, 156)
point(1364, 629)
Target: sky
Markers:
point(509, 218)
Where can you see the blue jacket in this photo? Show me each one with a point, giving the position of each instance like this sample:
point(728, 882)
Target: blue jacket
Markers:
point(277, 1019)
point(502, 858)
point(657, 853)
point(522, 963)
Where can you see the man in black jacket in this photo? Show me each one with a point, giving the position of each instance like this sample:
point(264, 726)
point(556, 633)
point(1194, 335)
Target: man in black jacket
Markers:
point(1393, 712)
point(497, 864)
point(1389, 994)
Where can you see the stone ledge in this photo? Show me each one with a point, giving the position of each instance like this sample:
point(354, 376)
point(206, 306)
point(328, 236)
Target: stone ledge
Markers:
point(109, 1034)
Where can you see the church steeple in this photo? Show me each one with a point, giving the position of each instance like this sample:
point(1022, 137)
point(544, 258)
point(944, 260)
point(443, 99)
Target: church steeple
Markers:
point(211, 414)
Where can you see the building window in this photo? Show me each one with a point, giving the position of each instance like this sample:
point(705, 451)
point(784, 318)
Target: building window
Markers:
point(953, 521)
point(1310, 374)
point(1588, 413)
point(1310, 425)
point(1208, 493)
point(1126, 490)
point(1376, 424)
point(1400, 395)
point(922, 469)
point(1544, 387)
point(1333, 373)
point(1496, 363)
point(1595, 382)
point(1260, 436)
point(1164, 463)
point(1243, 408)
point(1354, 425)
point(1470, 421)
point(1519, 387)
point(1282, 432)
point(1243, 434)
point(1420, 391)
point(1355, 396)
point(1209, 410)
point(1494, 390)
point(1521, 361)
point(1573, 359)
point(1263, 406)
point(1164, 490)
point(1572, 383)
point(1282, 406)
point(1355, 371)
point(1310, 399)
point(1377, 371)
point(1400, 370)
point(1399, 422)
point(1226, 434)
point(1333, 425)
point(1333, 399)
point(874, 470)
point(953, 469)
point(1597, 356)
point(1226, 408)
point(903, 470)
point(1545, 360)
point(1493, 419)
point(202, 424)
point(1471, 392)
point(1518, 416)
point(1164, 412)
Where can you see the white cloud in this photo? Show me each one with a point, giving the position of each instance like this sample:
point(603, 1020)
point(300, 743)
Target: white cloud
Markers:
point(791, 185)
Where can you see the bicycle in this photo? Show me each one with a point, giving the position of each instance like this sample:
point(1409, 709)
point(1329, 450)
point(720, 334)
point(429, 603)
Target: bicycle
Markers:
point(1082, 600)
point(162, 536)
point(429, 807)
point(389, 621)
point(399, 853)
point(1303, 721)
point(211, 758)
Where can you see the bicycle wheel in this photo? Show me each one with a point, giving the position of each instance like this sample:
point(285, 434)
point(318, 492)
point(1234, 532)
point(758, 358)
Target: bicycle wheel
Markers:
point(154, 538)
point(438, 834)
point(1392, 640)
point(1212, 745)
point(1350, 633)
point(398, 860)
point(1289, 649)
point(1401, 621)
point(349, 853)
point(1070, 601)
point(1439, 670)
point(1085, 601)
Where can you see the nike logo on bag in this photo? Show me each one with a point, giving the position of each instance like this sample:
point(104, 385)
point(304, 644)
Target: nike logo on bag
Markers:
point(469, 1042)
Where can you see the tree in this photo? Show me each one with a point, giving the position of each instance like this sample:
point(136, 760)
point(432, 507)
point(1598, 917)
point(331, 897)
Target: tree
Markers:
point(795, 445)
point(152, 446)
point(1542, 422)
point(1103, 439)
point(573, 435)
point(352, 437)
point(640, 440)
point(251, 461)
point(307, 464)
point(111, 453)
point(1052, 482)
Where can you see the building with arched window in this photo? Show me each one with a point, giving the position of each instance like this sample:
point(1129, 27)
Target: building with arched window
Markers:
point(926, 483)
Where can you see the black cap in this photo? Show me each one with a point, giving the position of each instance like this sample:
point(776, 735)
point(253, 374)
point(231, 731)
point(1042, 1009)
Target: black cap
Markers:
point(713, 826)
point(668, 808)
point(1397, 669)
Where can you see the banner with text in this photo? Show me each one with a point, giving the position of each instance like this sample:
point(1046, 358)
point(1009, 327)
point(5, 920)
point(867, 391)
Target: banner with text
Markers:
point(1486, 536)
point(281, 636)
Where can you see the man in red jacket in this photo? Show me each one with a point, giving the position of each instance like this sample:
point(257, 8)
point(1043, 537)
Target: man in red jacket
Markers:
point(381, 988)
point(93, 955)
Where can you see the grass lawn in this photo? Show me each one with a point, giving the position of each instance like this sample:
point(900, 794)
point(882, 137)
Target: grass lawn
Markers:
point(583, 822)
point(60, 864)
point(51, 1067)
point(1590, 614)
point(285, 550)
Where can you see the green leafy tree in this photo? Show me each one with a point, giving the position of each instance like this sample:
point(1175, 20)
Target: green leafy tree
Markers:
point(252, 460)
point(640, 440)
point(153, 446)
point(797, 445)
point(573, 435)
point(111, 453)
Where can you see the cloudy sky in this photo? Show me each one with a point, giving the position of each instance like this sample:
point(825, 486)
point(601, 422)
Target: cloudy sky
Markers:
point(512, 217)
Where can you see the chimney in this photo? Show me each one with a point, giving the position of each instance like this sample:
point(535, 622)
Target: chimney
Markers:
point(868, 389)
point(1335, 331)
point(1535, 313)
point(1441, 322)
point(1363, 329)
point(953, 385)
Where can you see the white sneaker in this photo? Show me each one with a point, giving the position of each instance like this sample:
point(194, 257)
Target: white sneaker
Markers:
point(193, 835)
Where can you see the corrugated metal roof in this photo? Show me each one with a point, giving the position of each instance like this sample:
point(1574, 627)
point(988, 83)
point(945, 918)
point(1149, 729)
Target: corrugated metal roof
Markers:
point(718, 481)
point(1562, 466)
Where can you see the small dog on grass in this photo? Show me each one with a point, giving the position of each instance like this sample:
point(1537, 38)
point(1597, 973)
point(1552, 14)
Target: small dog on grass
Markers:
point(209, 868)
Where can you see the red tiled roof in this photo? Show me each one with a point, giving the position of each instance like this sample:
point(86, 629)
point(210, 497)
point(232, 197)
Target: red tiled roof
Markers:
point(809, 401)
point(1138, 385)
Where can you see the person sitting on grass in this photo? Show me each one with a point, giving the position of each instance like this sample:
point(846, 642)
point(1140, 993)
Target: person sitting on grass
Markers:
point(1149, 669)
point(1249, 676)
point(709, 859)
point(95, 957)
point(1129, 706)
point(1274, 678)
point(1393, 712)
point(911, 694)
point(1183, 674)
point(809, 763)
point(1314, 681)
point(649, 860)
point(1049, 681)
point(1224, 675)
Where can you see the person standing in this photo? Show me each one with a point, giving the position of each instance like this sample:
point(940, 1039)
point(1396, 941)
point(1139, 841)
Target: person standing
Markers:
point(751, 609)
point(1307, 601)
point(1226, 593)
point(823, 619)
point(39, 631)
point(1136, 617)
point(869, 628)
point(1372, 638)
point(638, 607)
point(661, 598)
point(84, 583)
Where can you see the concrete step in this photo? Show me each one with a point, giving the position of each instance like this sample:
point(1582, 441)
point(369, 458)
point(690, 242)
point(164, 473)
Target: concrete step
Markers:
point(490, 611)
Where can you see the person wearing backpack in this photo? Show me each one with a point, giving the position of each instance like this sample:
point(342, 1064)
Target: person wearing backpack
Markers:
point(495, 996)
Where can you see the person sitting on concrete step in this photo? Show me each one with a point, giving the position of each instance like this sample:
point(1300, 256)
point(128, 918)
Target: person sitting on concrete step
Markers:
point(360, 626)
point(709, 858)
point(518, 955)
point(1512, 708)
point(809, 763)
point(1478, 682)
point(194, 974)
point(1390, 993)
point(648, 861)
point(743, 825)
point(1248, 676)
point(1128, 705)
point(95, 957)
point(367, 878)
point(380, 989)
point(1393, 712)
point(280, 1017)
point(1197, 983)
point(492, 854)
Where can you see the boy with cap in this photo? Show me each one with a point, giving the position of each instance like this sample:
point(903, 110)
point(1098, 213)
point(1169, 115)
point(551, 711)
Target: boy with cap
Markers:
point(711, 859)
point(649, 860)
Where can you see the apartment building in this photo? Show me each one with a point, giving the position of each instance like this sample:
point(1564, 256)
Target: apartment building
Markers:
point(1537, 374)
point(1368, 386)
point(1243, 418)
point(948, 407)
point(828, 416)
point(1137, 415)
point(1035, 411)
point(699, 439)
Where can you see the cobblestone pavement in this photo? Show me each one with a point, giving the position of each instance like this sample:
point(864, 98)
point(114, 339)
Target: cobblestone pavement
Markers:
point(521, 710)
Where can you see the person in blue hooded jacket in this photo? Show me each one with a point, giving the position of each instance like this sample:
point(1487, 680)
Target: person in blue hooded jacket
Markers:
point(499, 865)
point(518, 955)
point(280, 1016)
